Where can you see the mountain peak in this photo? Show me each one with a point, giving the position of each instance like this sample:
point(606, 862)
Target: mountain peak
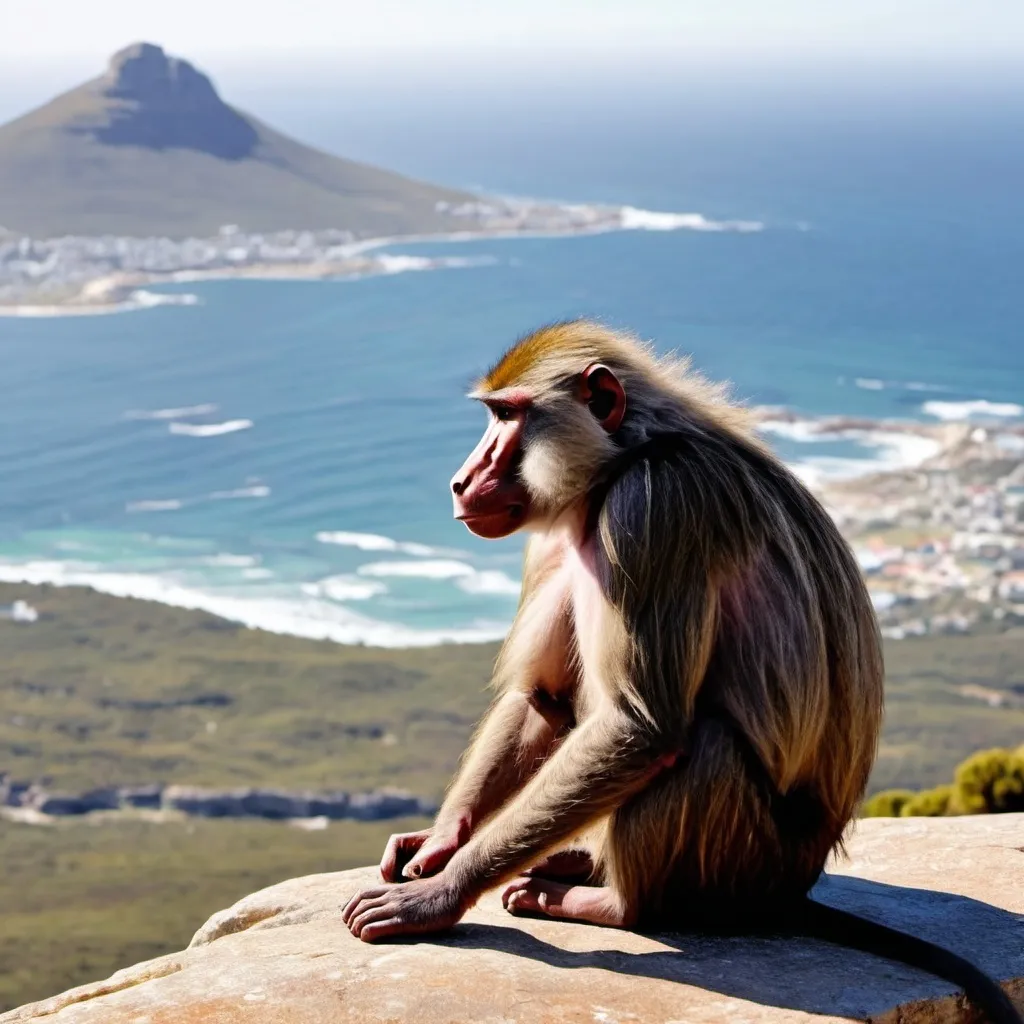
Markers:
point(143, 72)
point(161, 102)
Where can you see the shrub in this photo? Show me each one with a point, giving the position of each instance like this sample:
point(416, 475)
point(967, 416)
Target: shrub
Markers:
point(930, 803)
point(887, 804)
point(991, 781)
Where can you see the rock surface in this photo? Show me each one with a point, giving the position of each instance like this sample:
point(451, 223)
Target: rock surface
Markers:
point(282, 956)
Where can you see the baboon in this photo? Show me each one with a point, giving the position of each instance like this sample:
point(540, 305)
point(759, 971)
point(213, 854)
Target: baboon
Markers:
point(687, 706)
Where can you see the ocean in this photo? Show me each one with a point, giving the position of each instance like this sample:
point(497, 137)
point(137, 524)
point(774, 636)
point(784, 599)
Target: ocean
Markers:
point(279, 452)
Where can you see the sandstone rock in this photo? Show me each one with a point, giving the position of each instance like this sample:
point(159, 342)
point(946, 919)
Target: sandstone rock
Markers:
point(282, 956)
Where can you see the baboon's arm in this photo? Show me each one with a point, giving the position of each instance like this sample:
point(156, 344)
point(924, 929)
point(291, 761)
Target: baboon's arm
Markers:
point(516, 736)
point(598, 766)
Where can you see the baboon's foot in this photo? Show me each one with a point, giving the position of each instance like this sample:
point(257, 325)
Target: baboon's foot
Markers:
point(591, 903)
point(566, 865)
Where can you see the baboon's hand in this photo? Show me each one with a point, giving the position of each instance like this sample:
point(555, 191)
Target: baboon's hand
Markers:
point(419, 854)
point(401, 848)
point(385, 911)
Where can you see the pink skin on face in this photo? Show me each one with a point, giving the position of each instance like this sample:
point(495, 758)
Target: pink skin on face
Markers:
point(487, 494)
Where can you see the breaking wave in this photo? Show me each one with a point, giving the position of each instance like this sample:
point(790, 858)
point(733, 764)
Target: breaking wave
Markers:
point(209, 429)
point(436, 569)
point(877, 384)
point(389, 264)
point(310, 617)
point(892, 450)
point(631, 218)
point(154, 505)
point(205, 409)
point(173, 504)
point(375, 542)
point(255, 491)
point(489, 581)
point(978, 408)
point(345, 588)
point(231, 561)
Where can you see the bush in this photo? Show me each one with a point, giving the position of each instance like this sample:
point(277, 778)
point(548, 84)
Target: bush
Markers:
point(887, 804)
point(990, 782)
point(930, 803)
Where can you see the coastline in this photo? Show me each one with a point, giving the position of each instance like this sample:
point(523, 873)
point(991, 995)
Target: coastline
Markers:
point(125, 291)
point(933, 520)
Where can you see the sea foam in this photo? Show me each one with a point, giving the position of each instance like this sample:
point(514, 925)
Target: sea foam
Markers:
point(893, 450)
point(209, 429)
point(255, 491)
point(309, 617)
point(375, 542)
point(978, 408)
point(154, 505)
point(227, 560)
point(434, 569)
point(178, 413)
point(345, 588)
point(489, 582)
point(631, 218)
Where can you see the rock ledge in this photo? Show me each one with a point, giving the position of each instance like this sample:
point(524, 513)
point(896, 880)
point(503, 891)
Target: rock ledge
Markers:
point(282, 956)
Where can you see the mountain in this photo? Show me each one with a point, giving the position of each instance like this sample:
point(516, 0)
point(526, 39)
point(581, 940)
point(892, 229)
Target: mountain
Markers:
point(150, 148)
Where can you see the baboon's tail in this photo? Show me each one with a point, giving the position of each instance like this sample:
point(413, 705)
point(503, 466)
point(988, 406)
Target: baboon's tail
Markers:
point(845, 929)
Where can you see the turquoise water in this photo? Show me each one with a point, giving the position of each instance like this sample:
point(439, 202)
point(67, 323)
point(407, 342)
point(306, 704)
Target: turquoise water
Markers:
point(887, 276)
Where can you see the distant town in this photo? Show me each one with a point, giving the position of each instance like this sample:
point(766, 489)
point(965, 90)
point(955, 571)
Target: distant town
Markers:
point(102, 274)
point(942, 543)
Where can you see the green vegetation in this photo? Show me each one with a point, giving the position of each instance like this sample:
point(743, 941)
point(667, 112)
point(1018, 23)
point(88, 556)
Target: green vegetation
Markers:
point(79, 900)
point(888, 804)
point(989, 782)
point(947, 697)
point(103, 691)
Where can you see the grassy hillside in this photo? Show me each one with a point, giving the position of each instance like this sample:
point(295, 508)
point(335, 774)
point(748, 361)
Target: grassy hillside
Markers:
point(97, 691)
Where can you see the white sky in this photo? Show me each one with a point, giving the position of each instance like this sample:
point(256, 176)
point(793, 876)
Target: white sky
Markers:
point(34, 32)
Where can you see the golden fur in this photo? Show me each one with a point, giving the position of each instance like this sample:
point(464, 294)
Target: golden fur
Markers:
point(729, 623)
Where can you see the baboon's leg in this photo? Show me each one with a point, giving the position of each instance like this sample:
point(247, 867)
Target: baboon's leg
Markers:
point(700, 843)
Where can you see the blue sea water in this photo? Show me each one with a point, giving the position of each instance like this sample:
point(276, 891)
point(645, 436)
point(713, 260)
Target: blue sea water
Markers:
point(888, 274)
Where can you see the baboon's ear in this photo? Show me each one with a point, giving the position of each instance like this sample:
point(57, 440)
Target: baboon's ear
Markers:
point(604, 396)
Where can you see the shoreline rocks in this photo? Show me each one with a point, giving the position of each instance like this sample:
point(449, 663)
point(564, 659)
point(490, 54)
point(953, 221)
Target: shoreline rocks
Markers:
point(205, 802)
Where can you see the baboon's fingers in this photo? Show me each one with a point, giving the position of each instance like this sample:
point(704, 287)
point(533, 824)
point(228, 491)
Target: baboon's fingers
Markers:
point(397, 853)
point(432, 857)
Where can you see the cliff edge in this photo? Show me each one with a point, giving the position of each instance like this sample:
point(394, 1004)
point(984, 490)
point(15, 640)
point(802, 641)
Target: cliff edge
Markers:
point(283, 955)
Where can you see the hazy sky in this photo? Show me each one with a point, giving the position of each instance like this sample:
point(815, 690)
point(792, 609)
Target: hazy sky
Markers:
point(265, 51)
point(34, 31)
